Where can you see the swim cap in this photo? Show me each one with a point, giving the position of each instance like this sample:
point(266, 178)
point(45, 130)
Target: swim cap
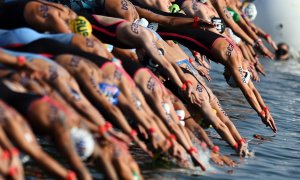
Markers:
point(203, 1)
point(111, 92)
point(249, 9)
point(135, 176)
point(235, 16)
point(219, 24)
point(232, 36)
point(83, 142)
point(181, 114)
point(174, 8)
point(153, 26)
point(246, 78)
point(81, 25)
point(166, 108)
point(109, 47)
point(142, 22)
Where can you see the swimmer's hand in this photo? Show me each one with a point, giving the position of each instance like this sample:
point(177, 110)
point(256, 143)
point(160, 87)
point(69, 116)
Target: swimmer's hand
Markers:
point(142, 145)
point(243, 150)
point(196, 160)
point(271, 42)
point(177, 151)
point(217, 158)
point(268, 120)
point(260, 69)
point(33, 71)
point(265, 51)
point(254, 75)
point(204, 72)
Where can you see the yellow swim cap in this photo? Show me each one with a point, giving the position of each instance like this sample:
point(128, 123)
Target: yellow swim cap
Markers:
point(82, 26)
point(214, 111)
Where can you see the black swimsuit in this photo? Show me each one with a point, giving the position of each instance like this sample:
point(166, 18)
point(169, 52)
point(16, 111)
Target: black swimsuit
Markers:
point(131, 67)
point(195, 39)
point(107, 33)
point(20, 101)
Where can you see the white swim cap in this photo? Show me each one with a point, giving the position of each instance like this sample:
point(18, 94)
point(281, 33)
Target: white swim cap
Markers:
point(249, 9)
point(246, 78)
point(109, 47)
point(153, 26)
point(83, 142)
point(235, 38)
point(142, 22)
point(166, 107)
point(181, 114)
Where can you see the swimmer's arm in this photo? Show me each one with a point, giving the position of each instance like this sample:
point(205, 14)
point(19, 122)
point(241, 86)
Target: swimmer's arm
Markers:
point(63, 89)
point(111, 111)
point(179, 71)
point(167, 67)
point(169, 21)
point(123, 104)
point(158, 107)
point(4, 141)
point(242, 23)
point(248, 93)
point(229, 21)
point(257, 94)
point(8, 59)
point(64, 142)
point(244, 51)
point(58, 25)
point(128, 106)
point(33, 149)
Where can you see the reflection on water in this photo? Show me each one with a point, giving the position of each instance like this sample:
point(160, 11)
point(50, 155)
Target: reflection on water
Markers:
point(276, 158)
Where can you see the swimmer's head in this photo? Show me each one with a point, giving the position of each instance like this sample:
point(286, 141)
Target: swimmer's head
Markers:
point(282, 52)
point(203, 1)
point(174, 8)
point(219, 24)
point(83, 142)
point(81, 25)
point(249, 9)
point(231, 81)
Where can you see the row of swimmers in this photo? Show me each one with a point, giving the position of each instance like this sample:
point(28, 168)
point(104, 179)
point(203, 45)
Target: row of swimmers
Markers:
point(108, 65)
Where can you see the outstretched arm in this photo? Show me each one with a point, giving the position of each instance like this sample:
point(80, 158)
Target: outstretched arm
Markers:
point(173, 21)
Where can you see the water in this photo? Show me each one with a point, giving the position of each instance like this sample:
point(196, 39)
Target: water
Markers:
point(278, 158)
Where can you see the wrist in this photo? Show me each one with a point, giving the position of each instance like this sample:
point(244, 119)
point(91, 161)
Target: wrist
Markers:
point(133, 133)
point(104, 128)
point(216, 149)
point(5, 155)
point(242, 141)
point(21, 60)
point(185, 84)
point(236, 146)
point(71, 175)
point(266, 109)
point(195, 53)
point(14, 152)
point(196, 21)
point(192, 150)
point(267, 36)
point(262, 113)
point(257, 42)
point(151, 130)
